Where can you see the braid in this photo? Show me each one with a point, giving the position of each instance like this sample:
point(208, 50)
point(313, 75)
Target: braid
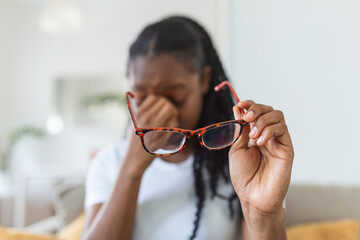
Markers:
point(200, 190)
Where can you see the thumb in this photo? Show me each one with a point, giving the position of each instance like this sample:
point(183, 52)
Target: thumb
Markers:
point(243, 141)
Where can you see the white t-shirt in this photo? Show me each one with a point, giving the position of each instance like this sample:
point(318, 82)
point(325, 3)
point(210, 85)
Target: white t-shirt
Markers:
point(166, 201)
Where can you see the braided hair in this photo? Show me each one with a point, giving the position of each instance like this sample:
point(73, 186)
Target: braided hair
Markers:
point(189, 42)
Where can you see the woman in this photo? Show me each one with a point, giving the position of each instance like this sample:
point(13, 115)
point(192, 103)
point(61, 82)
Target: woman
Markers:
point(131, 194)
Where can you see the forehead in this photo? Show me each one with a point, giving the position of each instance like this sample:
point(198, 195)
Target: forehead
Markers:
point(159, 71)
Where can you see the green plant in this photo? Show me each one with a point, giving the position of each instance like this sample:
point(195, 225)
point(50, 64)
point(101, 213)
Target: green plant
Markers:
point(100, 100)
point(14, 137)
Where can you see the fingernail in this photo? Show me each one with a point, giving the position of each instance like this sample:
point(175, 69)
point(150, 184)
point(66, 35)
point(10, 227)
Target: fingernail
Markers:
point(253, 132)
point(259, 140)
point(249, 114)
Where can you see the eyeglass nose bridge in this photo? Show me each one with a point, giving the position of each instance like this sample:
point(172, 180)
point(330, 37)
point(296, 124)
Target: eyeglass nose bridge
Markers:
point(199, 133)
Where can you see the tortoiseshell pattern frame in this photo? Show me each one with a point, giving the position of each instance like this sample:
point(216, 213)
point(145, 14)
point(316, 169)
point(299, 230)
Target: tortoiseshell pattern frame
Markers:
point(188, 133)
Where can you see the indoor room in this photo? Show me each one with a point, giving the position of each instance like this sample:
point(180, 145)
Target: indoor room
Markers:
point(109, 119)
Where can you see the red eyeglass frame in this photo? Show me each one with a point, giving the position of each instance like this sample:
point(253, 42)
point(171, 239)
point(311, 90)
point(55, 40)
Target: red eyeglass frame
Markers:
point(188, 133)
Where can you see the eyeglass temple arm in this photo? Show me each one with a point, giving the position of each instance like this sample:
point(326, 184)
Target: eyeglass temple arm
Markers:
point(128, 96)
point(222, 84)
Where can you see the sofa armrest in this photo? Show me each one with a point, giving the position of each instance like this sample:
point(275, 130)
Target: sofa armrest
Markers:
point(48, 225)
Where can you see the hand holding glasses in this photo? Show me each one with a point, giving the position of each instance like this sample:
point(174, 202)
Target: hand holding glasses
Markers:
point(164, 141)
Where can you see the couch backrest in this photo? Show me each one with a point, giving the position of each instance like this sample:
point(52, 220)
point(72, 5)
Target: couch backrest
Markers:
point(312, 203)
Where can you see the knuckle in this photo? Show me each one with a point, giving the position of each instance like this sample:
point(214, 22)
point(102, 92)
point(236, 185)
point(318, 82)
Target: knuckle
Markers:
point(255, 109)
point(260, 122)
point(162, 110)
point(284, 127)
point(172, 109)
point(157, 105)
point(266, 108)
point(162, 101)
point(280, 113)
point(272, 129)
point(267, 130)
point(281, 127)
point(152, 97)
point(167, 110)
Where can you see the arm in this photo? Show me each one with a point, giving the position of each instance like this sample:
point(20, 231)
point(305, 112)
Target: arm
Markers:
point(115, 219)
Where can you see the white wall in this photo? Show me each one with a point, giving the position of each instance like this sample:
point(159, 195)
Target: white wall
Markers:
point(303, 57)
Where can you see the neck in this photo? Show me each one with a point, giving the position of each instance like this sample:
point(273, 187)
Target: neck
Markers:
point(177, 158)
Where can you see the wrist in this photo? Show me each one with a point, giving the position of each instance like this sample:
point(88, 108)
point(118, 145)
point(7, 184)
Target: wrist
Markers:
point(265, 225)
point(134, 166)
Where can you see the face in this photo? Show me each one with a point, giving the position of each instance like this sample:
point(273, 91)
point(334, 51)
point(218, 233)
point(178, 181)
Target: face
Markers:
point(164, 75)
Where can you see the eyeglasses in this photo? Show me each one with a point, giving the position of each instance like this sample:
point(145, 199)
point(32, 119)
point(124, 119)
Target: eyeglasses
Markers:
point(164, 141)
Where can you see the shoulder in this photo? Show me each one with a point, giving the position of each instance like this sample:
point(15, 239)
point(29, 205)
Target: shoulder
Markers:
point(102, 173)
point(110, 154)
point(107, 161)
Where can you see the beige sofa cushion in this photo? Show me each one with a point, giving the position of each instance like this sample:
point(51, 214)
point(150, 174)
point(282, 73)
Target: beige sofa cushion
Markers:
point(333, 230)
point(314, 203)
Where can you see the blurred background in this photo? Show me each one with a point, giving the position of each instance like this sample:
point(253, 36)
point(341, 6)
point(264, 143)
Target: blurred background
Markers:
point(62, 85)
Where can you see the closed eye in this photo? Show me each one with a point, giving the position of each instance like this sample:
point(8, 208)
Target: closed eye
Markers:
point(179, 103)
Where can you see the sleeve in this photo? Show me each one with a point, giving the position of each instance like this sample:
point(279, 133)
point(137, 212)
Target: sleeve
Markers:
point(98, 186)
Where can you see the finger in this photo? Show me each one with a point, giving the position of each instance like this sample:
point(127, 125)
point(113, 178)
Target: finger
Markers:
point(265, 120)
point(168, 108)
point(146, 116)
point(172, 122)
point(272, 131)
point(166, 112)
point(252, 142)
point(246, 104)
point(148, 102)
point(253, 110)
point(243, 140)
point(158, 104)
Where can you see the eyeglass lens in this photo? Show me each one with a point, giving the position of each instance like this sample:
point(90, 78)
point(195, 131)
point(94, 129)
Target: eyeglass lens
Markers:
point(163, 142)
point(222, 136)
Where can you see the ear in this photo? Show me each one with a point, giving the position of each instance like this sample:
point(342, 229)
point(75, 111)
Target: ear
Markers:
point(206, 77)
